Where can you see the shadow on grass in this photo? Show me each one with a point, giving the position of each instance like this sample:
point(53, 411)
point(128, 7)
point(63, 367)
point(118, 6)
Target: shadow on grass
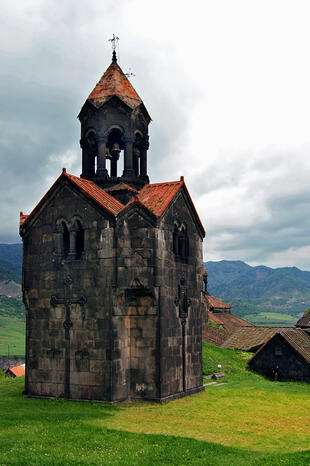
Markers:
point(60, 432)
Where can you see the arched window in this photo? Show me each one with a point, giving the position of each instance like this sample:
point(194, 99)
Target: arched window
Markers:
point(65, 239)
point(116, 147)
point(79, 240)
point(180, 243)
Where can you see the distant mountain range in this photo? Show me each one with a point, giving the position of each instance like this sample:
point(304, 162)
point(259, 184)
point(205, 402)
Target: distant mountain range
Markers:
point(257, 291)
point(11, 262)
point(260, 294)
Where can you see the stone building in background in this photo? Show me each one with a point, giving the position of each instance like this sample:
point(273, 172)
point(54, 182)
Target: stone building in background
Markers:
point(112, 267)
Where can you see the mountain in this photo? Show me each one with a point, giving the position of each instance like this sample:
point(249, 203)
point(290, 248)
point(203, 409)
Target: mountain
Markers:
point(11, 262)
point(10, 281)
point(260, 290)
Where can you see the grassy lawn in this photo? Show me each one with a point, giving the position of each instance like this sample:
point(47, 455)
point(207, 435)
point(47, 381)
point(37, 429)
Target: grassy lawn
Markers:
point(271, 318)
point(12, 332)
point(247, 421)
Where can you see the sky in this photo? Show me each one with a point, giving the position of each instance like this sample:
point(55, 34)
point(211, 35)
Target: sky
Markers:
point(227, 84)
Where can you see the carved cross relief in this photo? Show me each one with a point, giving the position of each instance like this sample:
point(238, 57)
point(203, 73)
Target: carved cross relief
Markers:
point(67, 300)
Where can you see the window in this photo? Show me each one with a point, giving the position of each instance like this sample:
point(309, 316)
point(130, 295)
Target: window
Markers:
point(180, 243)
point(79, 240)
point(65, 239)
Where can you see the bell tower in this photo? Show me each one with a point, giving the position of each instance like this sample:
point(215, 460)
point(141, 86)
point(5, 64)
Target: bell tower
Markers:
point(114, 132)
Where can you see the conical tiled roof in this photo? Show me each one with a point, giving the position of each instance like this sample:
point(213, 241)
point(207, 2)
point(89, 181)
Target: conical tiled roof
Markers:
point(114, 82)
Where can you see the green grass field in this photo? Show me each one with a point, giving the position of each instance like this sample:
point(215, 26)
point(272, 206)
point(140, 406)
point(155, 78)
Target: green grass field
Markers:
point(248, 421)
point(12, 333)
point(271, 318)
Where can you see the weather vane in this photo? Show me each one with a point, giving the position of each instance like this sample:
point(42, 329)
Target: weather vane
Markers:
point(114, 42)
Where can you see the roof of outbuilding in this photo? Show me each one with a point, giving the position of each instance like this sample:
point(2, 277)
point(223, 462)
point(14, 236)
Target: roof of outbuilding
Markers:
point(304, 321)
point(217, 303)
point(17, 370)
point(228, 321)
point(114, 82)
point(298, 338)
point(249, 337)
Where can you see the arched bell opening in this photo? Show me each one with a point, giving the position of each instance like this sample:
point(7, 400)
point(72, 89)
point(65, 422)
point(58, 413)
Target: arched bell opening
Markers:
point(65, 239)
point(79, 239)
point(91, 147)
point(115, 147)
point(137, 151)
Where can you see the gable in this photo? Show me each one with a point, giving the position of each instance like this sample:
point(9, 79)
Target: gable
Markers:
point(87, 190)
point(182, 209)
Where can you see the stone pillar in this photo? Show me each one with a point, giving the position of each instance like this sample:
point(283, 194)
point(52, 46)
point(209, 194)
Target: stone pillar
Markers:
point(128, 159)
point(102, 172)
point(143, 164)
point(73, 245)
point(136, 155)
point(85, 158)
point(59, 245)
point(114, 160)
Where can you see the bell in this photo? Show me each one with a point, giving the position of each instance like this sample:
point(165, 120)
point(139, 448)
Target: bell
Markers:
point(116, 149)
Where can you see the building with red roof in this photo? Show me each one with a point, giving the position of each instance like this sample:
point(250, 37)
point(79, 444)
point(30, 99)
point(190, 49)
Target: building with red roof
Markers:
point(16, 371)
point(112, 267)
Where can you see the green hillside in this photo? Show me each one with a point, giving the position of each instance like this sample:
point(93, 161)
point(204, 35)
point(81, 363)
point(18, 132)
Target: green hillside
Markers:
point(263, 295)
point(11, 262)
point(247, 421)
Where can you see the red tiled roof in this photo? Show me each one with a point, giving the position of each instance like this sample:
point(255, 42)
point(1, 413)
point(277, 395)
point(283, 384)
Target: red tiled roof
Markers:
point(93, 191)
point(17, 370)
point(216, 336)
point(229, 321)
point(156, 197)
point(114, 82)
point(217, 303)
point(304, 321)
point(246, 338)
point(22, 218)
point(111, 204)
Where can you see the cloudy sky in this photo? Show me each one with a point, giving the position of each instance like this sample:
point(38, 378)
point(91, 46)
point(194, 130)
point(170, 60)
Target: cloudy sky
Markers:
point(227, 84)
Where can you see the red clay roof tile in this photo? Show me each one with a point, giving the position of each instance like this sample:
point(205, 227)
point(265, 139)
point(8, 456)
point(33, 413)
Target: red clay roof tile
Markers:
point(156, 197)
point(114, 82)
point(17, 370)
point(22, 218)
point(104, 199)
point(93, 191)
point(229, 321)
point(217, 303)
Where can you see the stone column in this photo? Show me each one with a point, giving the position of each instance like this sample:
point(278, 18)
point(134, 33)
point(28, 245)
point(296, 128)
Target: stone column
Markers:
point(136, 155)
point(143, 163)
point(128, 159)
point(73, 245)
point(85, 158)
point(102, 172)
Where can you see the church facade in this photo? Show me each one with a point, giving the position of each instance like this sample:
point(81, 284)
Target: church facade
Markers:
point(112, 267)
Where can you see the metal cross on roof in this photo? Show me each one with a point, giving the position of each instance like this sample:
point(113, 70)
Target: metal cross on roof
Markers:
point(114, 41)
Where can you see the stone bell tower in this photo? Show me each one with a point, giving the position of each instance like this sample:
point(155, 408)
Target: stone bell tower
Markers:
point(114, 126)
point(112, 267)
